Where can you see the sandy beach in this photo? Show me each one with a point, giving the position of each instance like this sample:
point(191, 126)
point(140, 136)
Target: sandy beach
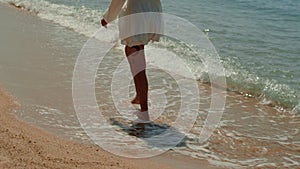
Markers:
point(40, 129)
point(23, 145)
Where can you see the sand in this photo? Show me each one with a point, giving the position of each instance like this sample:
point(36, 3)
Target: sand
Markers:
point(23, 145)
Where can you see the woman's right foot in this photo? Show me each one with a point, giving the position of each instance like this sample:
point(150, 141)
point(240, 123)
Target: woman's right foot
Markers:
point(143, 117)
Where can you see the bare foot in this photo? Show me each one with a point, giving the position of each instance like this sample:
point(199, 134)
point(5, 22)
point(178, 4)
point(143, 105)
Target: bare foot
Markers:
point(143, 117)
point(135, 101)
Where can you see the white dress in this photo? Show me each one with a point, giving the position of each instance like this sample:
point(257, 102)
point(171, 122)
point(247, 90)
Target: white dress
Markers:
point(134, 17)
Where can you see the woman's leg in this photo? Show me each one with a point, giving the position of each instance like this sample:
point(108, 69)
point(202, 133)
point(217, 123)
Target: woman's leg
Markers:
point(136, 58)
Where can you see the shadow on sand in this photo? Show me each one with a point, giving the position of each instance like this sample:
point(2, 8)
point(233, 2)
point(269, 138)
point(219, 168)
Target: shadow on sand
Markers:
point(155, 134)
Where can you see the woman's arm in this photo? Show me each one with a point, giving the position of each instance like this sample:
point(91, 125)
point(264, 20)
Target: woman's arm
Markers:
point(113, 11)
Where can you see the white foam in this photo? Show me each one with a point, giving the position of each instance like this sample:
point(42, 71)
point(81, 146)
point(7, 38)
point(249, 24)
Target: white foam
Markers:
point(290, 162)
point(296, 110)
point(81, 19)
point(191, 59)
point(267, 165)
point(224, 164)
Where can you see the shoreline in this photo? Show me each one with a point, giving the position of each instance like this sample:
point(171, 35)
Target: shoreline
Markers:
point(39, 75)
point(279, 101)
point(25, 145)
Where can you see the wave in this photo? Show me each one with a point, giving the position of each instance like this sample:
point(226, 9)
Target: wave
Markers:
point(269, 91)
point(80, 19)
point(85, 21)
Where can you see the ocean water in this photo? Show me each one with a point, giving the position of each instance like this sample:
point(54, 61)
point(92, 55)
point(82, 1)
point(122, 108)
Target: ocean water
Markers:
point(259, 45)
point(257, 41)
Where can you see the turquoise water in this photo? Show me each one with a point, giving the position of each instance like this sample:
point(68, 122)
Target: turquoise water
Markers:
point(259, 42)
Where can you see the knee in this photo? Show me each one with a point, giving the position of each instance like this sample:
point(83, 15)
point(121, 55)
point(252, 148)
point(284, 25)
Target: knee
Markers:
point(129, 50)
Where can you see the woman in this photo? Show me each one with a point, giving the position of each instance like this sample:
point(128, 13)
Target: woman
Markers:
point(134, 45)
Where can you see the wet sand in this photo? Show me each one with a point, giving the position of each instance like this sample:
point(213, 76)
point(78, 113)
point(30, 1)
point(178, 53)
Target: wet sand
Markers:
point(25, 146)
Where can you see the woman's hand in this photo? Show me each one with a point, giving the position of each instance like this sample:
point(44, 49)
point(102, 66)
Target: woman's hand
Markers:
point(103, 23)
